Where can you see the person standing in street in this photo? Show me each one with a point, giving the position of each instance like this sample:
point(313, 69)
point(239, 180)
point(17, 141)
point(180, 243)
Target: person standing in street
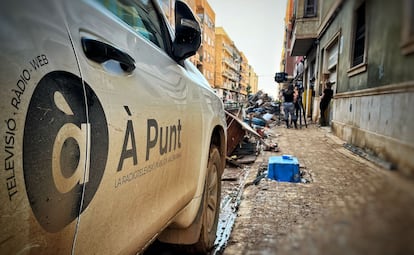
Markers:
point(326, 97)
point(289, 106)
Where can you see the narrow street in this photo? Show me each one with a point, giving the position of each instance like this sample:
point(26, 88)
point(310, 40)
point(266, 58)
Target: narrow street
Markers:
point(158, 127)
point(349, 206)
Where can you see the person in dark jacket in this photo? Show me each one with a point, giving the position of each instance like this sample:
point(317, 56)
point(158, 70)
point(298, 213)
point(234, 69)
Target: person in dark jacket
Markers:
point(324, 103)
point(288, 105)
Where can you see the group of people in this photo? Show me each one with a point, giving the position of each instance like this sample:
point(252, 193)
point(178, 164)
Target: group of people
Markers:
point(291, 104)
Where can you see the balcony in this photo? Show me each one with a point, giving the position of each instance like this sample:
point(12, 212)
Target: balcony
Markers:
point(304, 34)
point(228, 74)
point(227, 85)
point(228, 49)
point(230, 63)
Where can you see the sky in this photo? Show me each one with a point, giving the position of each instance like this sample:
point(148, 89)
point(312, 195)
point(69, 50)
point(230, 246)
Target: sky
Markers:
point(257, 29)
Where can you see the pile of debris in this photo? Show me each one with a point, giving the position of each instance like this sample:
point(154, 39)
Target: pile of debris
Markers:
point(262, 111)
point(248, 129)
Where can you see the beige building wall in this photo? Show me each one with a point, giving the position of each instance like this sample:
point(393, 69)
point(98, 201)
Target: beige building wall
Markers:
point(207, 50)
point(253, 80)
point(191, 4)
point(220, 54)
point(244, 74)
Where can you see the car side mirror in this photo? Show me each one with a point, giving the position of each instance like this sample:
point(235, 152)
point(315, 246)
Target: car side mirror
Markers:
point(187, 32)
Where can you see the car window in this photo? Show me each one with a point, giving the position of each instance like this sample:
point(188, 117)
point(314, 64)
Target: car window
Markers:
point(141, 16)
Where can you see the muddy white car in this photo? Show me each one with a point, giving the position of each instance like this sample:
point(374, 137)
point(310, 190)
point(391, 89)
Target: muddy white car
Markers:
point(111, 139)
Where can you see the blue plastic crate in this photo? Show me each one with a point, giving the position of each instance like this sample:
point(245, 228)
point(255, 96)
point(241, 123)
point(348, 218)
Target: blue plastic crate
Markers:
point(283, 168)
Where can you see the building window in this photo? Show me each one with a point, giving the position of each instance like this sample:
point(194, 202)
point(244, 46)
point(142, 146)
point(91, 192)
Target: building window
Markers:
point(201, 16)
point(331, 56)
point(408, 27)
point(358, 52)
point(310, 8)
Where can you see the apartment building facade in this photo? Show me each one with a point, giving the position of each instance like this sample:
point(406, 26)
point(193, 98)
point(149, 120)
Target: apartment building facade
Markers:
point(365, 49)
point(227, 68)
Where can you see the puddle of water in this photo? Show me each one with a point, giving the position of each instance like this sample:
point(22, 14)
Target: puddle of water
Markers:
point(228, 214)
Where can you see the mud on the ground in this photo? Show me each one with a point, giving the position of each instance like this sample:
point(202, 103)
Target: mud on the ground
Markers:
point(351, 206)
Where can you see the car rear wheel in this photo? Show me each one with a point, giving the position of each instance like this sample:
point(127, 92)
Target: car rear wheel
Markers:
point(205, 224)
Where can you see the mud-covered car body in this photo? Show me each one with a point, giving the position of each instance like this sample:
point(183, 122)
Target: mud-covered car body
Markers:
point(110, 137)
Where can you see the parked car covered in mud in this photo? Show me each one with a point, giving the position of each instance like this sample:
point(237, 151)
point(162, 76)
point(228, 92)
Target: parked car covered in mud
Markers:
point(111, 137)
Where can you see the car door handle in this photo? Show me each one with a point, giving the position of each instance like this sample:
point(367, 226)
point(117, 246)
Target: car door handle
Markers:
point(100, 52)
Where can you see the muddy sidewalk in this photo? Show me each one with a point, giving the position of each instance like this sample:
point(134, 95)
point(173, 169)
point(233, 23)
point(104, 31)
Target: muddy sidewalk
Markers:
point(350, 205)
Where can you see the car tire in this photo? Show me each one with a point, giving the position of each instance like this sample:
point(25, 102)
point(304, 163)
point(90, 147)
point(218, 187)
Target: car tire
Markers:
point(210, 204)
point(205, 224)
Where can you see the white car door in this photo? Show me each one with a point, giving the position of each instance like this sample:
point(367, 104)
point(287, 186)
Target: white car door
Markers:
point(44, 125)
point(122, 50)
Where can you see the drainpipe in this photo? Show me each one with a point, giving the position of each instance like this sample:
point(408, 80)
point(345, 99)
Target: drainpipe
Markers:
point(316, 82)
